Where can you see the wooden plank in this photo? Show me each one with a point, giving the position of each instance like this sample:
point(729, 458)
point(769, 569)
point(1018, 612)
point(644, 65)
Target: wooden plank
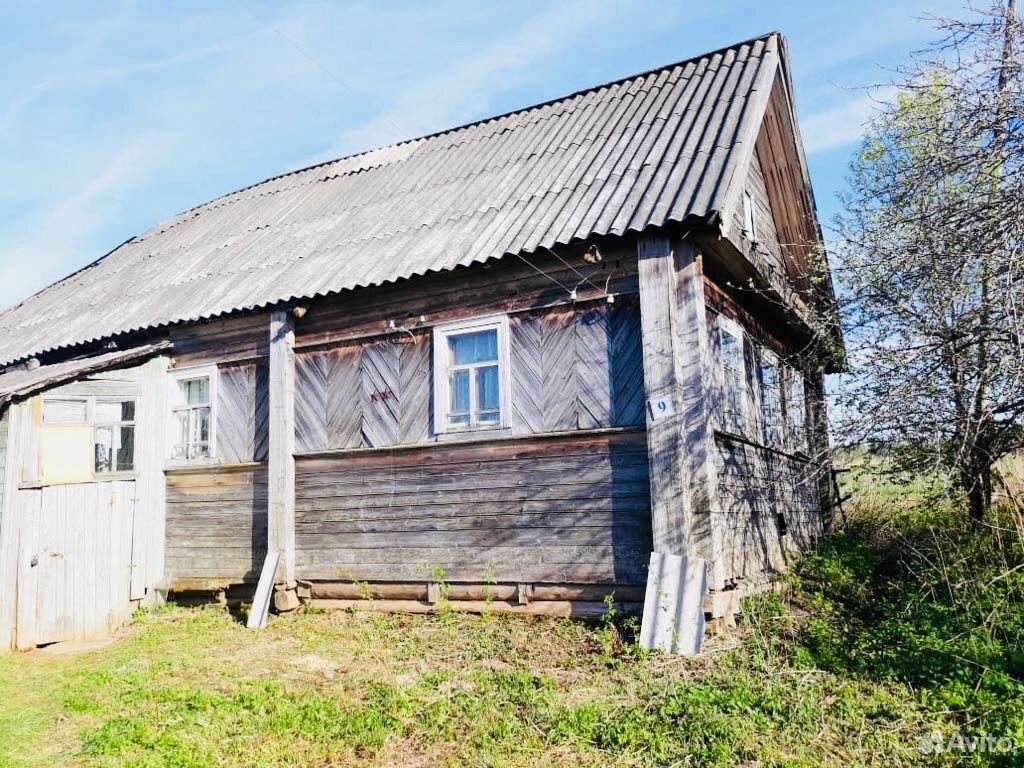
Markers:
point(28, 506)
point(281, 466)
point(264, 590)
point(677, 370)
point(380, 393)
point(344, 400)
point(673, 619)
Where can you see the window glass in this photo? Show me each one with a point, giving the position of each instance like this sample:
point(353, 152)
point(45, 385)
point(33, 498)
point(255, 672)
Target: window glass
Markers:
point(114, 443)
point(468, 348)
point(797, 410)
point(471, 387)
point(771, 410)
point(733, 379)
point(193, 420)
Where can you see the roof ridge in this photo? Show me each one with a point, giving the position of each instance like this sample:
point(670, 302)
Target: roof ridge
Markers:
point(589, 89)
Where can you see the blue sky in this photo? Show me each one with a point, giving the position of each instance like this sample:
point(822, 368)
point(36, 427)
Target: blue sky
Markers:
point(117, 116)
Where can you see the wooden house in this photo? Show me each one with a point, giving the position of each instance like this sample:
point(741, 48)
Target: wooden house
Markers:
point(515, 358)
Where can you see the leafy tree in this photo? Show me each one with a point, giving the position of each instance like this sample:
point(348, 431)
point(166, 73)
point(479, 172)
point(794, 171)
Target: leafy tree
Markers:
point(931, 260)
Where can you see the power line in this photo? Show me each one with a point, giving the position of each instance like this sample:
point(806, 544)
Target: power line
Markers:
point(402, 131)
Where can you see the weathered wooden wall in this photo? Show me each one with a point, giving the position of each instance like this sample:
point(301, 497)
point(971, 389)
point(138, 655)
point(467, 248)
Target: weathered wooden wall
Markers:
point(572, 368)
point(757, 483)
point(216, 522)
point(222, 340)
point(572, 508)
point(765, 232)
point(242, 413)
point(756, 486)
point(3, 461)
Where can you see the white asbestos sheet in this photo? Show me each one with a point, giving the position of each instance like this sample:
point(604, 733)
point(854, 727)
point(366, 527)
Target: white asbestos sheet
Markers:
point(674, 605)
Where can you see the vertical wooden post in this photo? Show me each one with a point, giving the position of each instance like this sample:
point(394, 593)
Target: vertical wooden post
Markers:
point(281, 469)
point(17, 423)
point(678, 379)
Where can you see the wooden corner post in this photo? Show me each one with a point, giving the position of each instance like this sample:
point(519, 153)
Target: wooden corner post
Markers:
point(678, 375)
point(281, 467)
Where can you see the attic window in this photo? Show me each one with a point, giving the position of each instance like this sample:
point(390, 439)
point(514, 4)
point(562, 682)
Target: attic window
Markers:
point(748, 217)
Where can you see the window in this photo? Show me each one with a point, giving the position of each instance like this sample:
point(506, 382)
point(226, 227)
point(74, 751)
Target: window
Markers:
point(61, 410)
point(193, 399)
point(471, 375)
point(797, 411)
point(748, 217)
point(82, 438)
point(771, 399)
point(114, 435)
point(733, 374)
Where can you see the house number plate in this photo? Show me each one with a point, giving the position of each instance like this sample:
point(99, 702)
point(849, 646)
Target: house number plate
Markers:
point(660, 407)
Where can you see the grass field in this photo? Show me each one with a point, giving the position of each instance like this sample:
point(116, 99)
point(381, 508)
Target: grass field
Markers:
point(903, 624)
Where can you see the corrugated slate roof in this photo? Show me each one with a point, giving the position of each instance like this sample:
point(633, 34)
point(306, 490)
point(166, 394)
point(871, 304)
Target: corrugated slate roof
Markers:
point(641, 152)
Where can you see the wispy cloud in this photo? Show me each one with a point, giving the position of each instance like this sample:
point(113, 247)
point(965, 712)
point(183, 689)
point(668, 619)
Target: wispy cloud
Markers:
point(466, 88)
point(841, 125)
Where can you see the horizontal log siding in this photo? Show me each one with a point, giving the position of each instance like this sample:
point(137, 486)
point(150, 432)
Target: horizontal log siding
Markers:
point(216, 523)
point(755, 484)
point(561, 509)
point(500, 286)
point(235, 338)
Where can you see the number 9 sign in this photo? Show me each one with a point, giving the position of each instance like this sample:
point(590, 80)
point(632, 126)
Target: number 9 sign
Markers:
point(660, 407)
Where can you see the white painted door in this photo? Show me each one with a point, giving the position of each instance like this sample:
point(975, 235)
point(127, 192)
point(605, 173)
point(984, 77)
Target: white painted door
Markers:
point(82, 560)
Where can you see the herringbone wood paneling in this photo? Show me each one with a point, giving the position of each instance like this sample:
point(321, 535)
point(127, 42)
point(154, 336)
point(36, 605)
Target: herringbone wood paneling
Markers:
point(344, 401)
point(311, 401)
point(526, 334)
point(593, 368)
point(627, 364)
point(558, 353)
point(380, 392)
point(414, 390)
point(242, 413)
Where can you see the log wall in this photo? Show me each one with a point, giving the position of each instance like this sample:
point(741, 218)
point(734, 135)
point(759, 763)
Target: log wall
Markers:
point(216, 522)
point(571, 508)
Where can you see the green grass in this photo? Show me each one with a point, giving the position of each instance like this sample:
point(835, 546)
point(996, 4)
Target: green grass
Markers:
point(903, 624)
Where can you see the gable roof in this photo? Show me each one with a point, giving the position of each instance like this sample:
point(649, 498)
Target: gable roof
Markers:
point(659, 147)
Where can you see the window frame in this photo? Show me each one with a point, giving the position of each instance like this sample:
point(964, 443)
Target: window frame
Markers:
point(799, 438)
point(749, 221)
point(733, 421)
point(90, 421)
point(442, 373)
point(769, 359)
point(176, 404)
point(134, 423)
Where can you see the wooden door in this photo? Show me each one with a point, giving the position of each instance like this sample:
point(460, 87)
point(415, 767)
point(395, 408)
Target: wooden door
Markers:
point(80, 564)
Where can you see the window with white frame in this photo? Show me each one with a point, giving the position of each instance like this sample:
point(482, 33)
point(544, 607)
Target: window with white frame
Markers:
point(771, 399)
point(748, 216)
point(797, 410)
point(730, 339)
point(471, 375)
point(72, 423)
point(114, 435)
point(194, 397)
